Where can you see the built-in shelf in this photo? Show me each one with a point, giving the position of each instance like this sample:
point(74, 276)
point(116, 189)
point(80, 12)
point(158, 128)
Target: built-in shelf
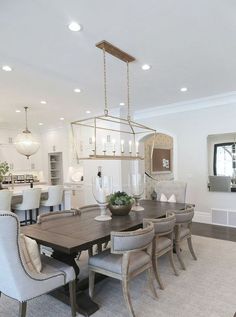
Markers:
point(55, 168)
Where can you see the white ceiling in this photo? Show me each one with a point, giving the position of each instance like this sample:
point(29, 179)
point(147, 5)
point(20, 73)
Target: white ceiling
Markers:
point(188, 43)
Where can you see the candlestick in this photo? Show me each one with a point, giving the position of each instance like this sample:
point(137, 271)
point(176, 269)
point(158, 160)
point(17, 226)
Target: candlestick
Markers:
point(114, 145)
point(104, 145)
point(122, 142)
point(137, 145)
point(130, 147)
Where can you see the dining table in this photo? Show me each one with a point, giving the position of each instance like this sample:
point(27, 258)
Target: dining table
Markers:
point(69, 236)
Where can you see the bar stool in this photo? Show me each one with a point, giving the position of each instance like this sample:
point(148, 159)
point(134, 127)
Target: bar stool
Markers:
point(55, 196)
point(5, 199)
point(31, 201)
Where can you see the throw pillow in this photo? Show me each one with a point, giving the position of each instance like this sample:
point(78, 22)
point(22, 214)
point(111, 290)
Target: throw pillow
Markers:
point(30, 251)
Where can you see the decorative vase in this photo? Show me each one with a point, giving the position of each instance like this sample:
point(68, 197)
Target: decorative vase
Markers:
point(120, 210)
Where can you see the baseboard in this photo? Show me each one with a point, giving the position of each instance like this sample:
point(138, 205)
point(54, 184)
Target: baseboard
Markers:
point(204, 217)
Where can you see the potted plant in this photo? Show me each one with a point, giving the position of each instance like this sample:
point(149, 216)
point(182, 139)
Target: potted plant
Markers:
point(4, 169)
point(120, 203)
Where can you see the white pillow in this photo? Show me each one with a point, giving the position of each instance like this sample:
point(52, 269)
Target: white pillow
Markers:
point(31, 254)
point(172, 198)
point(163, 198)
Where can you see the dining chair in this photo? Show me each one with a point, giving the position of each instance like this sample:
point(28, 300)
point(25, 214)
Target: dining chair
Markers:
point(163, 242)
point(183, 232)
point(56, 215)
point(55, 197)
point(30, 201)
point(5, 199)
point(130, 255)
point(17, 280)
point(169, 188)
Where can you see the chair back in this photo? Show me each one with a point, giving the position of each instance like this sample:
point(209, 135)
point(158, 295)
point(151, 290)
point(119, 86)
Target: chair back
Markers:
point(220, 183)
point(172, 187)
point(13, 274)
point(5, 199)
point(128, 241)
point(31, 199)
point(184, 216)
point(55, 195)
point(162, 226)
point(56, 215)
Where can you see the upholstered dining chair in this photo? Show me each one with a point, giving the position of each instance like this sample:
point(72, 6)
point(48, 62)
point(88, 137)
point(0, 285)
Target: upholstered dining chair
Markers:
point(130, 255)
point(163, 242)
point(183, 232)
point(17, 280)
point(55, 197)
point(56, 215)
point(169, 188)
point(5, 199)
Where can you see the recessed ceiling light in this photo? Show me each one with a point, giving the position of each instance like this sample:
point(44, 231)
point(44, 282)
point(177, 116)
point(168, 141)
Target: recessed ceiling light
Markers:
point(88, 111)
point(122, 104)
point(77, 90)
point(17, 110)
point(62, 118)
point(146, 67)
point(43, 102)
point(40, 123)
point(75, 27)
point(184, 89)
point(6, 68)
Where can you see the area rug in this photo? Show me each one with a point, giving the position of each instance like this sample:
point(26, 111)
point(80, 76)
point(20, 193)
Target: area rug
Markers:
point(206, 289)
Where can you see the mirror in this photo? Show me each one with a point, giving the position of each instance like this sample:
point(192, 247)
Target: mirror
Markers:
point(222, 162)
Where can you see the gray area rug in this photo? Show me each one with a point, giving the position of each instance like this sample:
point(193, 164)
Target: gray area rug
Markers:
point(206, 289)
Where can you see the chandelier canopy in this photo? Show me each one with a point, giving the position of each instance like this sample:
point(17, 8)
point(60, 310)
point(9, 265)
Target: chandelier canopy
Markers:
point(105, 136)
point(25, 143)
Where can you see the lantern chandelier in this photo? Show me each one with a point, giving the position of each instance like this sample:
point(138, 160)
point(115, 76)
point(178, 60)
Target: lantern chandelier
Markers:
point(108, 137)
point(25, 143)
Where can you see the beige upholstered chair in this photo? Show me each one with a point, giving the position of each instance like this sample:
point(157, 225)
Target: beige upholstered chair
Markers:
point(17, 280)
point(172, 187)
point(183, 232)
point(56, 215)
point(163, 242)
point(130, 255)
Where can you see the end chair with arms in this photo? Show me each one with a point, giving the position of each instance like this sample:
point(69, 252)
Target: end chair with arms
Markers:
point(17, 280)
point(130, 255)
point(163, 242)
point(172, 187)
point(183, 232)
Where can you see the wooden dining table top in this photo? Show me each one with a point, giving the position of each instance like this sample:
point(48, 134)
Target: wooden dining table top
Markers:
point(77, 233)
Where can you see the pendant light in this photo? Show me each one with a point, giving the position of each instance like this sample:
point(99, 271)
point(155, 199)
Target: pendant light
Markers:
point(25, 143)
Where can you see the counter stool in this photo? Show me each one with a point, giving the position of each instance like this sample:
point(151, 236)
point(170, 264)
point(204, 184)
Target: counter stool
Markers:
point(31, 200)
point(55, 196)
point(5, 199)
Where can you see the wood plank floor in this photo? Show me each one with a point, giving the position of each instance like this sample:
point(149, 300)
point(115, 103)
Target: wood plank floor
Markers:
point(213, 231)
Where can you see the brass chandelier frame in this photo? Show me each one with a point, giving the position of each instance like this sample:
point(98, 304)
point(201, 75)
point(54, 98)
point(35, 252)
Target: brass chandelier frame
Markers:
point(124, 126)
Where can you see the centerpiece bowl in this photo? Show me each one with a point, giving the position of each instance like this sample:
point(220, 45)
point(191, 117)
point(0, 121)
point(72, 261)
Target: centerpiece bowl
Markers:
point(120, 203)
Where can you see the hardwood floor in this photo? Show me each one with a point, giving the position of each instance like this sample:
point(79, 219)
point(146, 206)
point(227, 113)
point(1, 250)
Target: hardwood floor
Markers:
point(213, 231)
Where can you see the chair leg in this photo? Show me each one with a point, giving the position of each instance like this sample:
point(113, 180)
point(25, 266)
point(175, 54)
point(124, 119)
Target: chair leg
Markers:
point(60, 207)
point(150, 282)
point(127, 297)
point(90, 251)
point(91, 282)
point(22, 309)
point(31, 216)
point(37, 213)
point(51, 208)
point(26, 216)
point(171, 258)
point(190, 246)
point(178, 252)
point(72, 288)
point(156, 272)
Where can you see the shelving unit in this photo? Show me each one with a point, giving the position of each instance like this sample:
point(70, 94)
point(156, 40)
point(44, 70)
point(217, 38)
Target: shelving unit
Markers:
point(55, 168)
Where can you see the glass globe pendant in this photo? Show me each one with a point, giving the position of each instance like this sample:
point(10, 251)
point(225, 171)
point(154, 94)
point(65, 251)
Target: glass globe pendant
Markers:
point(25, 143)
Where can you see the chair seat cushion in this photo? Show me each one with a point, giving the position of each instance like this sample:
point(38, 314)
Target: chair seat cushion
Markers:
point(113, 262)
point(45, 203)
point(51, 266)
point(184, 232)
point(162, 243)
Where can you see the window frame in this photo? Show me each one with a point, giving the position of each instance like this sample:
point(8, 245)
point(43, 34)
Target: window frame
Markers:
point(215, 154)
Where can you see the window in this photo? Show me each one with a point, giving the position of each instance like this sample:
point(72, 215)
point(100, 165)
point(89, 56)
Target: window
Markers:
point(225, 159)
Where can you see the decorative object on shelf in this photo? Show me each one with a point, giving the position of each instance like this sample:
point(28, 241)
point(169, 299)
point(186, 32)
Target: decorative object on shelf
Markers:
point(94, 131)
point(25, 143)
point(4, 169)
point(102, 189)
point(120, 203)
point(137, 189)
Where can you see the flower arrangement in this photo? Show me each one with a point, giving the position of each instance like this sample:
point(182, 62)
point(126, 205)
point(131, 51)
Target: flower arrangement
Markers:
point(4, 169)
point(120, 199)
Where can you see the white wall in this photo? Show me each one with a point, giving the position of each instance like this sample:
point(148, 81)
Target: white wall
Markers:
point(190, 129)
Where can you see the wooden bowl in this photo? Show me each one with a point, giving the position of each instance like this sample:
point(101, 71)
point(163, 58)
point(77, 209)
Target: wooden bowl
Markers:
point(122, 210)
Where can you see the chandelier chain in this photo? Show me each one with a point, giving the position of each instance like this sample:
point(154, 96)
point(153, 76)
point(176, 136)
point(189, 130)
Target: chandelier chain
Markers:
point(105, 81)
point(26, 119)
point(128, 92)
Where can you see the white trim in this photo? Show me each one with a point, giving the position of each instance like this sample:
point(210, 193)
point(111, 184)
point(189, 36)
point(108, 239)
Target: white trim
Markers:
point(194, 104)
point(203, 217)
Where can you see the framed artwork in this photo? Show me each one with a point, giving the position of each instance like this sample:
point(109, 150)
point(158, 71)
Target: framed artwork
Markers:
point(161, 160)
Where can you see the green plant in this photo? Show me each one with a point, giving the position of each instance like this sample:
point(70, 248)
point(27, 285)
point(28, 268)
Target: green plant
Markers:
point(4, 169)
point(120, 199)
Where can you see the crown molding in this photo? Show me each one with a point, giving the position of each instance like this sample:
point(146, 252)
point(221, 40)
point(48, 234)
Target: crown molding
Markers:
point(190, 105)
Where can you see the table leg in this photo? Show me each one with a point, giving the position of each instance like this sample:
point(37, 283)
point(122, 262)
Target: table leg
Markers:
point(85, 306)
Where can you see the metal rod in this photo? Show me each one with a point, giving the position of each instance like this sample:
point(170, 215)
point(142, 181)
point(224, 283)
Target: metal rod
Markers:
point(105, 82)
